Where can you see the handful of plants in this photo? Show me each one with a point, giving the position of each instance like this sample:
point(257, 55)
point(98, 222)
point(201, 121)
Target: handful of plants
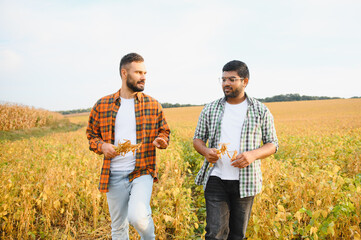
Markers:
point(224, 150)
point(125, 147)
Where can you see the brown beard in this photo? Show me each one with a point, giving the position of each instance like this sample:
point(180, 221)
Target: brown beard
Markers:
point(233, 94)
point(133, 86)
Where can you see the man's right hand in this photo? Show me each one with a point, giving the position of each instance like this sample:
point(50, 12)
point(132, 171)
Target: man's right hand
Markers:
point(211, 155)
point(108, 150)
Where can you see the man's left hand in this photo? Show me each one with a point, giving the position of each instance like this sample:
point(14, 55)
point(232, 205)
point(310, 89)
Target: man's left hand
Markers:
point(160, 143)
point(243, 160)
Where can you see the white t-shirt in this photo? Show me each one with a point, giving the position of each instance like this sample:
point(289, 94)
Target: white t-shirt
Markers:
point(231, 127)
point(125, 128)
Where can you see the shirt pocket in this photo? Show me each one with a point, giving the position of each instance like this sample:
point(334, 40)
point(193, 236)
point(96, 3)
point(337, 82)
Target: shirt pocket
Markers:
point(150, 126)
point(253, 127)
point(105, 126)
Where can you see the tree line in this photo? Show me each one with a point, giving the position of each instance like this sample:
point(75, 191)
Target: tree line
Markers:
point(276, 98)
point(293, 97)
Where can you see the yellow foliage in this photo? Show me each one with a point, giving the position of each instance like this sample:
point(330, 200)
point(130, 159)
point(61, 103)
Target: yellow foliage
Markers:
point(311, 187)
point(14, 117)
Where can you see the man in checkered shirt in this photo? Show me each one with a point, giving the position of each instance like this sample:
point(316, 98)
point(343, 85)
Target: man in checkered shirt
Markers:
point(231, 180)
point(128, 114)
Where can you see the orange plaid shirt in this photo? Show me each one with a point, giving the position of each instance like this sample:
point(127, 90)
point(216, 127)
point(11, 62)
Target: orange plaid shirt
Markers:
point(150, 124)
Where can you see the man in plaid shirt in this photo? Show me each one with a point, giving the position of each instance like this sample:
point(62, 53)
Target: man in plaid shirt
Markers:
point(128, 179)
point(232, 179)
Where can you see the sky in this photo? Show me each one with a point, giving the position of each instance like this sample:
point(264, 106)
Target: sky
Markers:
point(64, 55)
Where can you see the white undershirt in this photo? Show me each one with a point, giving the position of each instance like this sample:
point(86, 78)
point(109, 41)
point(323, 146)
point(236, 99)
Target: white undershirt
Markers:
point(231, 127)
point(125, 128)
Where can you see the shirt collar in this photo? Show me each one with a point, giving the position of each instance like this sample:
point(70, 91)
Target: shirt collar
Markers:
point(250, 100)
point(138, 95)
point(117, 95)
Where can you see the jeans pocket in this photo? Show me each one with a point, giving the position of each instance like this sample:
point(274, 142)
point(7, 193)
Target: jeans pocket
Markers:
point(215, 189)
point(116, 178)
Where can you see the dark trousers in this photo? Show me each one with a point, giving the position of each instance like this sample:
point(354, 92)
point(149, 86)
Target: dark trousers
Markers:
point(227, 213)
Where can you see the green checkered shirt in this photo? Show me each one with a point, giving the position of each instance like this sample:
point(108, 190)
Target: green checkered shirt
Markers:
point(258, 127)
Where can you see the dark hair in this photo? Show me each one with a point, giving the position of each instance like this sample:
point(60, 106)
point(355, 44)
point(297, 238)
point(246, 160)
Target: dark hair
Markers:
point(238, 66)
point(129, 58)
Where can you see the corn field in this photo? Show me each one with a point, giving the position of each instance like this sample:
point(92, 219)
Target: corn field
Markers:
point(311, 186)
point(15, 117)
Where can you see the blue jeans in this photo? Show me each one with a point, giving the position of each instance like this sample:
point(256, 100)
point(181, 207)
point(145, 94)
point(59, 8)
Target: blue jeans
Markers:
point(129, 202)
point(227, 213)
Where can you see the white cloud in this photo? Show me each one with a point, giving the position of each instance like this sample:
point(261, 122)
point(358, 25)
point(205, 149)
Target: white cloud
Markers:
point(10, 61)
point(311, 81)
point(76, 46)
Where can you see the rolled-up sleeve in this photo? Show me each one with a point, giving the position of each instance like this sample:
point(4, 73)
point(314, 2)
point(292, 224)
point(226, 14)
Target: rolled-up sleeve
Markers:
point(268, 129)
point(201, 131)
point(163, 128)
point(93, 131)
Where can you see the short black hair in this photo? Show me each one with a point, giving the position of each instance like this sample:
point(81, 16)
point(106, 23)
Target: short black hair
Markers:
point(238, 66)
point(129, 58)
